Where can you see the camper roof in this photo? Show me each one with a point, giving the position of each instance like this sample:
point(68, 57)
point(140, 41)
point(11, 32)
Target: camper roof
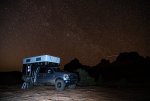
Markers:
point(41, 58)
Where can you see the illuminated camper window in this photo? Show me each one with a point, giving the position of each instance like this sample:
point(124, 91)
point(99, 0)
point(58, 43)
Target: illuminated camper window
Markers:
point(27, 60)
point(38, 59)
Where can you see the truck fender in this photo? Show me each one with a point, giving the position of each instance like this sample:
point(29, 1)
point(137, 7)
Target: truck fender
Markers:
point(59, 78)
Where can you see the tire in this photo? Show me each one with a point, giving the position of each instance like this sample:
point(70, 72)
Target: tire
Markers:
point(73, 86)
point(25, 85)
point(60, 85)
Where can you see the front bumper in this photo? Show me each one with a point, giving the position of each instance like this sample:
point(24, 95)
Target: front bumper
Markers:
point(73, 79)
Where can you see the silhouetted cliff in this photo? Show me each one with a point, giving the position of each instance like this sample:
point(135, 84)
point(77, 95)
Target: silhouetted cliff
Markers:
point(128, 68)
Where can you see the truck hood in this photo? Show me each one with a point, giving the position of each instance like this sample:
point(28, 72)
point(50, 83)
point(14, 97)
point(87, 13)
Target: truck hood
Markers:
point(64, 72)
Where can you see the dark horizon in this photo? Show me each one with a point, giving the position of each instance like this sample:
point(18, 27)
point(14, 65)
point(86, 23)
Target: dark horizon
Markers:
point(129, 69)
point(125, 56)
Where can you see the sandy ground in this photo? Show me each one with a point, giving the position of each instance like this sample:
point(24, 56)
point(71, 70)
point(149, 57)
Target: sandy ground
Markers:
point(92, 93)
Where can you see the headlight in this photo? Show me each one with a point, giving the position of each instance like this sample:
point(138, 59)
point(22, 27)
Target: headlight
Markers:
point(66, 76)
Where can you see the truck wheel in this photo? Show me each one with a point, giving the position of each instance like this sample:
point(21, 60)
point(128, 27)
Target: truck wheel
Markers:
point(60, 85)
point(73, 86)
point(25, 85)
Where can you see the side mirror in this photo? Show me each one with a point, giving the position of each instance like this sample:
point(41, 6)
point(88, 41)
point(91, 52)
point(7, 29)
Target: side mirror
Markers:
point(50, 71)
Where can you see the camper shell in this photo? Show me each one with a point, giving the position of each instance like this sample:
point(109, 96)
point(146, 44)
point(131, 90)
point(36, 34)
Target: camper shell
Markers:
point(42, 58)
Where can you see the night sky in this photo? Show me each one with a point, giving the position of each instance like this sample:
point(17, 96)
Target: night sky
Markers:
point(85, 29)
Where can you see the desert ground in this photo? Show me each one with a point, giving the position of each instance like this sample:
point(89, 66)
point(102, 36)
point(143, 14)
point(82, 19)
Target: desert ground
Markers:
point(88, 93)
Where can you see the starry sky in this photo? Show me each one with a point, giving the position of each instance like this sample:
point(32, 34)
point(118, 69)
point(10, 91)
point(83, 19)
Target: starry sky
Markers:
point(85, 29)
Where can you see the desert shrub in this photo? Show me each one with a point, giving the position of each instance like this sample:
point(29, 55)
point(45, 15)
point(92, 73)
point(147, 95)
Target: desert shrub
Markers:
point(85, 79)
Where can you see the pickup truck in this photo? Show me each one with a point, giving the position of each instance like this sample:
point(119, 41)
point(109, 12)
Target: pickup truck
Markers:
point(44, 70)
